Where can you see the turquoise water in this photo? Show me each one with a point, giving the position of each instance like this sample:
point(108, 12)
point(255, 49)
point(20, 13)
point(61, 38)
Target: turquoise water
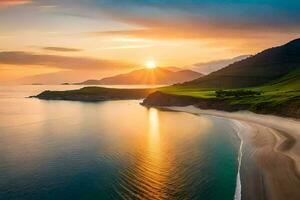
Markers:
point(111, 150)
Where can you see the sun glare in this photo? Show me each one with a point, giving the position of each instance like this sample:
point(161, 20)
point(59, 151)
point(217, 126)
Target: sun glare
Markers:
point(150, 64)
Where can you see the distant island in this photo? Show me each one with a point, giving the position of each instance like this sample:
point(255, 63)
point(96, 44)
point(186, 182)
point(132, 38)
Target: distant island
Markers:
point(267, 83)
point(92, 94)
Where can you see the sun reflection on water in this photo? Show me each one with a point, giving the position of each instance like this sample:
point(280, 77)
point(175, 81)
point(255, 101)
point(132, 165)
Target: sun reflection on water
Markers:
point(154, 132)
point(151, 168)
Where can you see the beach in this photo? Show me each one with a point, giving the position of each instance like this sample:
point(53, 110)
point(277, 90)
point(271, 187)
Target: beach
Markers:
point(270, 159)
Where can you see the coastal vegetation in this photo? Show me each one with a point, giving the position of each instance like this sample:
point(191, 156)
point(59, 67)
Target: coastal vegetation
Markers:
point(95, 94)
point(280, 97)
point(236, 93)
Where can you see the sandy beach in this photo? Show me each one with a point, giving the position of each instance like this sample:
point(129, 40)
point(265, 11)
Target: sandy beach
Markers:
point(270, 165)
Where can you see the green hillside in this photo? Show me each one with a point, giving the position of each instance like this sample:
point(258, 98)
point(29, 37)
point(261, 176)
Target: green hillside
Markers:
point(289, 82)
point(280, 97)
point(262, 68)
point(280, 90)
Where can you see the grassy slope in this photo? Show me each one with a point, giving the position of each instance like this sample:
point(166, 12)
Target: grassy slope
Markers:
point(275, 93)
point(281, 91)
point(189, 91)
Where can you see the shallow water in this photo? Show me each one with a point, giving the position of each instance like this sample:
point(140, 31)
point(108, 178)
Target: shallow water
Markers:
point(111, 150)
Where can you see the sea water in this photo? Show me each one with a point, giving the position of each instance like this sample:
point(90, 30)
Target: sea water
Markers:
point(111, 150)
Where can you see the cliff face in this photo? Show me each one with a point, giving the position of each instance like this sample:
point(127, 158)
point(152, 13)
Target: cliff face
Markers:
point(288, 109)
point(161, 99)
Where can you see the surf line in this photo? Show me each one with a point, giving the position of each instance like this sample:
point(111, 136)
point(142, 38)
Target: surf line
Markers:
point(238, 188)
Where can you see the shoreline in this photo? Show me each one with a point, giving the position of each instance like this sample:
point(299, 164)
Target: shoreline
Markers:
point(154, 97)
point(270, 163)
point(288, 109)
point(238, 187)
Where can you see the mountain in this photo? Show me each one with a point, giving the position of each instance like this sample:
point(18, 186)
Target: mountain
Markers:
point(289, 82)
point(208, 67)
point(157, 76)
point(173, 69)
point(60, 77)
point(264, 67)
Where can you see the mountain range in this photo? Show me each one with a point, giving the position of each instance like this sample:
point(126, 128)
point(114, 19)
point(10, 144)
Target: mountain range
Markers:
point(262, 68)
point(76, 75)
point(157, 76)
point(215, 65)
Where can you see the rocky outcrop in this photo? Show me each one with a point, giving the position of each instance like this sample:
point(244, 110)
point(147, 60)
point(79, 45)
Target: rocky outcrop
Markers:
point(287, 109)
point(162, 99)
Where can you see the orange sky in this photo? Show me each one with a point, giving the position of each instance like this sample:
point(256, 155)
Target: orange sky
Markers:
point(100, 38)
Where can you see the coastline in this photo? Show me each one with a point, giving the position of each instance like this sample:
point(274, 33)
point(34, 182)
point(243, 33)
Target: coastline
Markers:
point(238, 187)
point(270, 164)
point(289, 108)
point(155, 97)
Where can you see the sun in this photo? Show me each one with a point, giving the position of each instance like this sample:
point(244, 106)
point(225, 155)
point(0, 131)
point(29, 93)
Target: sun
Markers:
point(150, 64)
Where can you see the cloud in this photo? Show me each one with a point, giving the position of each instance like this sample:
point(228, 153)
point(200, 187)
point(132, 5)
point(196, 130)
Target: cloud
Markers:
point(174, 33)
point(194, 32)
point(61, 49)
point(6, 3)
point(264, 12)
point(203, 19)
point(70, 76)
point(208, 67)
point(48, 6)
point(63, 62)
point(130, 46)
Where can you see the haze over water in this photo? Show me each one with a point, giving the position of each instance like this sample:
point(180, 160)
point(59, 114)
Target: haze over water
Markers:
point(111, 150)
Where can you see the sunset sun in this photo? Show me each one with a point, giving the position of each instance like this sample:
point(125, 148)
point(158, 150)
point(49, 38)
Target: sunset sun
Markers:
point(150, 64)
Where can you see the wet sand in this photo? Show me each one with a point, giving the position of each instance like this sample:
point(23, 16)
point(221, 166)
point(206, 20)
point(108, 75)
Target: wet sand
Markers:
point(271, 154)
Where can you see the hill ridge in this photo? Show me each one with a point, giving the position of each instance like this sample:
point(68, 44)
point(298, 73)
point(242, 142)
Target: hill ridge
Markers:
point(261, 68)
point(157, 76)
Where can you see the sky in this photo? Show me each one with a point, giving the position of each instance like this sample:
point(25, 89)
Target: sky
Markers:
point(74, 40)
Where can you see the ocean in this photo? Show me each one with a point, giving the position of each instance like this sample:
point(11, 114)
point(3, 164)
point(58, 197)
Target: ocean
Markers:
point(111, 150)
